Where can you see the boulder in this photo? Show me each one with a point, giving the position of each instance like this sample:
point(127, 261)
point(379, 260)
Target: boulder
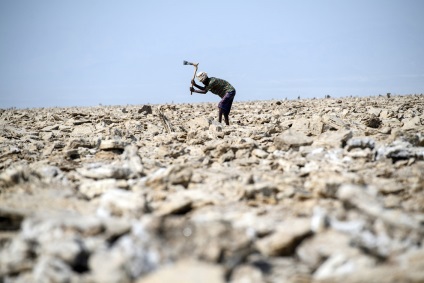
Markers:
point(291, 139)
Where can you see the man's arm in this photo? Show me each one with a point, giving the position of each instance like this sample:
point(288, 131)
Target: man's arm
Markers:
point(196, 85)
point(192, 89)
point(202, 88)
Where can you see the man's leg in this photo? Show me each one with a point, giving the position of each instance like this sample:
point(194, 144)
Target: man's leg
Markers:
point(226, 103)
point(220, 115)
point(227, 121)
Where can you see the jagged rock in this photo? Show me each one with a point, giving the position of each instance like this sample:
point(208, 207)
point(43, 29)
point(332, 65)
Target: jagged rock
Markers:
point(360, 143)
point(82, 130)
point(200, 123)
point(340, 265)
point(327, 184)
point(412, 123)
point(247, 274)
point(363, 199)
point(186, 271)
point(112, 144)
point(400, 151)
point(121, 203)
point(133, 160)
point(14, 259)
point(176, 205)
point(333, 139)
point(13, 176)
point(291, 139)
point(261, 191)
point(173, 175)
point(259, 153)
point(47, 173)
point(50, 128)
point(92, 189)
point(81, 142)
point(104, 171)
point(375, 111)
point(314, 251)
point(372, 122)
point(285, 240)
point(146, 109)
point(312, 126)
point(333, 121)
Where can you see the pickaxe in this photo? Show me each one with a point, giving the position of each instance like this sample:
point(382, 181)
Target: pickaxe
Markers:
point(195, 70)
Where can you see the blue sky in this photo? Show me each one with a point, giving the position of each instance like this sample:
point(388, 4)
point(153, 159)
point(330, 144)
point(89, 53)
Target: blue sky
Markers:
point(91, 52)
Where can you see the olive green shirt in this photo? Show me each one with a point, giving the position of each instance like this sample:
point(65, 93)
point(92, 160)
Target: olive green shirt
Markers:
point(219, 87)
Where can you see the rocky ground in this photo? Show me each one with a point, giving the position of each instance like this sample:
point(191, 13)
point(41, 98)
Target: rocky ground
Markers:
point(317, 190)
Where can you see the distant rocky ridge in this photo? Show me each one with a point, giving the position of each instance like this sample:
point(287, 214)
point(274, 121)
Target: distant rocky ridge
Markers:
point(309, 190)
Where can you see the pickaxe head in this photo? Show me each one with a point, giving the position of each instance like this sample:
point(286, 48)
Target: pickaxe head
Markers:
point(189, 63)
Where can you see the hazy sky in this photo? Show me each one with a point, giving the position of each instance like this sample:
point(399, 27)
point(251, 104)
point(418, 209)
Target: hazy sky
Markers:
point(91, 52)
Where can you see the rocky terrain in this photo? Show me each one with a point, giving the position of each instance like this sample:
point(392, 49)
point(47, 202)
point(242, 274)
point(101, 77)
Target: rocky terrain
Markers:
point(308, 190)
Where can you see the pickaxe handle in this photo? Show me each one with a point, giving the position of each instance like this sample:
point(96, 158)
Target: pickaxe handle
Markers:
point(194, 76)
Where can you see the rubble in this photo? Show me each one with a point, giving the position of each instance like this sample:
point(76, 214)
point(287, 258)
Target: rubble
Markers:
point(321, 190)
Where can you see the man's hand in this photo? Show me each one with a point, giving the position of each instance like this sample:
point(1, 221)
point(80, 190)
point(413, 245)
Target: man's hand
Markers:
point(192, 89)
point(193, 82)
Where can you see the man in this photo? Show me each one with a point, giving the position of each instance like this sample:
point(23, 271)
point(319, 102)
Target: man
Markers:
point(219, 87)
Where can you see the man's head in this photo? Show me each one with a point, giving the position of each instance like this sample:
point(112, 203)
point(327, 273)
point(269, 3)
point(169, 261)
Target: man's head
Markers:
point(202, 76)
